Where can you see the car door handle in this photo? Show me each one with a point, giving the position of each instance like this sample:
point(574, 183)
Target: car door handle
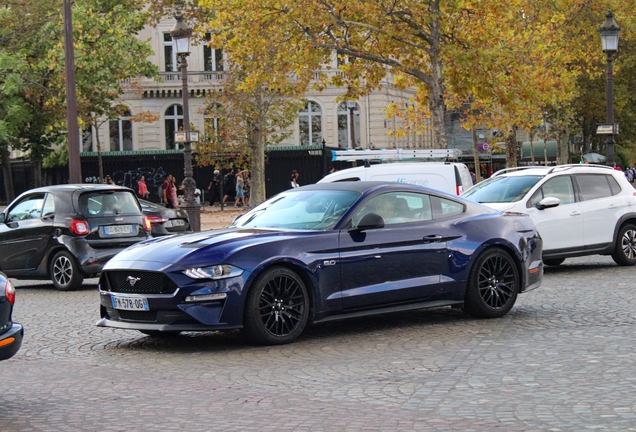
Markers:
point(575, 213)
point(613, 206)
point(432, 238)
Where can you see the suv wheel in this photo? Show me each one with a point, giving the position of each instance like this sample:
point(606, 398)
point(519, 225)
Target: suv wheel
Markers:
point(64, 272)
point(625, 250)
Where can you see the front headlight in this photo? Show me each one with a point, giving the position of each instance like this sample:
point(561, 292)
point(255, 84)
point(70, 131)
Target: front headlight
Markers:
point(213, 272)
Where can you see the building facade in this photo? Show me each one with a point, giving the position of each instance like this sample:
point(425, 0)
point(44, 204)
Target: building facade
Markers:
point(323, 118)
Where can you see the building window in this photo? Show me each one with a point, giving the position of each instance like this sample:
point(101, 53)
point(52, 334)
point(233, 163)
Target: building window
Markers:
point(169, 54)
point(212, 57)
point(173, 123)
point(310, 124)
point(120, 133)
point(345, 124)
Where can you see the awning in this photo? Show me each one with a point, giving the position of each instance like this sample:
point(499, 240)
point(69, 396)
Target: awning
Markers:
point(550, 146)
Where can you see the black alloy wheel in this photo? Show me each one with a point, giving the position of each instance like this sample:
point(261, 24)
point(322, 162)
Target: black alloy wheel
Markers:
point(277, 307)
point(493, 285)
point(625, 250)
point(64, 272)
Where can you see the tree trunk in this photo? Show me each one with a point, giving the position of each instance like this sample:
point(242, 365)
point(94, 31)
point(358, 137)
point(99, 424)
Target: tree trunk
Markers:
point(100, 162)
point(7, 174)
point(37, 174)
point(511, 148)
point(437, 105)
point(476, 156)
point(257, 169)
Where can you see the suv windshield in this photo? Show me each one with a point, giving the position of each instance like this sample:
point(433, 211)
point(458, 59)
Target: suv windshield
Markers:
point(98, 204)
point(309, 210)
point(501, 189)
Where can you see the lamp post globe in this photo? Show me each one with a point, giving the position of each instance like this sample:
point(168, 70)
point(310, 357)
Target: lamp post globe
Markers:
point(609, 41)
point(181, 35)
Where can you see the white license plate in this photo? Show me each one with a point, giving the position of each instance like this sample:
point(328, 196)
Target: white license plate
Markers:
point(130, 303)
point(178, 222)
point(118, 229)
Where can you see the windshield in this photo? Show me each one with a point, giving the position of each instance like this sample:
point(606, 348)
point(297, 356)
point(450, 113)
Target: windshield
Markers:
point(307, 210)
point(501, 189)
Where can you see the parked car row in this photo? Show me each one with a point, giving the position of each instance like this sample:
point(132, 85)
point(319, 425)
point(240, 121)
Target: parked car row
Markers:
point(329, 251)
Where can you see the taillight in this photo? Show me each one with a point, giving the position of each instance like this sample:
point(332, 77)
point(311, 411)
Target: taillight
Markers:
point(78, 227)
point(9, 292)
point(147, 224)
point(156, 220)
point(459, 189)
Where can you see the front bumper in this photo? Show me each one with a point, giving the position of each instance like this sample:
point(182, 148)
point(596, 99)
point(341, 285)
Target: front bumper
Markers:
point(172, 309)
point(11, 341)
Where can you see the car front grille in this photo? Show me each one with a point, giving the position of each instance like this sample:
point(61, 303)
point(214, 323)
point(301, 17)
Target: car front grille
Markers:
point(136, 282)
point(150, 316)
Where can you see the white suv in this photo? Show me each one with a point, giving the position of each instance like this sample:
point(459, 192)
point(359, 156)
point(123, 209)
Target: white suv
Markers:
point(578, 209)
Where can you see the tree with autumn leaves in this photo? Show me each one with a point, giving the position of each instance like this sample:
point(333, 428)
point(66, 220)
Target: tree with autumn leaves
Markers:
point(512, 62)
point(108, 54)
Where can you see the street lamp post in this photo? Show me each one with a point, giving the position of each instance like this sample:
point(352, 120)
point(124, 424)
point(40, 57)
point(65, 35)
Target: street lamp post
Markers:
point(609, 38)
point(181, 35)
point(351, 105)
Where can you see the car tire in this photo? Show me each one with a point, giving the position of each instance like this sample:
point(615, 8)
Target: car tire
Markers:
point(64, 272)
point(277, 307)
point(160, 334)
point(493, 285)
point(553, 261)
point(625, 249)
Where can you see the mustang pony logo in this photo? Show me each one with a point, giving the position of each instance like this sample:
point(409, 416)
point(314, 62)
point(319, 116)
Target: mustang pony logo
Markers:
point(132, 280)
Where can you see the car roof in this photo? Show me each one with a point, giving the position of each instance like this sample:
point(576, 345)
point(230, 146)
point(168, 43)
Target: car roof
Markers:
point(87, 187)
point(558, 169)
point(363, 186)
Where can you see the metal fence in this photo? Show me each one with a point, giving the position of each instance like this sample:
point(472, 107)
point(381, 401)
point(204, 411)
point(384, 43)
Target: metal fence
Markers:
point(125, 168)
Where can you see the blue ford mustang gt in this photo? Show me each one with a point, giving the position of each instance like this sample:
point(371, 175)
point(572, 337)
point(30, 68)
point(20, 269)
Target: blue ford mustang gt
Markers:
point(325, 252)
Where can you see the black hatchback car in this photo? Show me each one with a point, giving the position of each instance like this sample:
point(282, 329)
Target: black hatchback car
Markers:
point(165, 221)
point(10, 333)
point(68, 232)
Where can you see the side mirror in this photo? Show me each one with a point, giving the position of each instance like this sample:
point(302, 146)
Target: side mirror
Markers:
point(548, 202)
point(369, 221)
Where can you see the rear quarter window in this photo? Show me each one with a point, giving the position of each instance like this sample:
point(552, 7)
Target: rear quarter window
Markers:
point(594, 186)
point(95, 204)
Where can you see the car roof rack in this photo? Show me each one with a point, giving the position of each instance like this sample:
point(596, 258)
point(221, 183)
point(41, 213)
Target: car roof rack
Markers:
point(569, 166)
point(397, 153)
point(551, 169)
point(521, 168)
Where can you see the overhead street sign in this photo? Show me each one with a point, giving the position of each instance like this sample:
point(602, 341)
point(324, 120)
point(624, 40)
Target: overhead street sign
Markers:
point(606, 129)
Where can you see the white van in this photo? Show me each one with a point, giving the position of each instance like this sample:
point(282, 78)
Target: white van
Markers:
point(450, 177)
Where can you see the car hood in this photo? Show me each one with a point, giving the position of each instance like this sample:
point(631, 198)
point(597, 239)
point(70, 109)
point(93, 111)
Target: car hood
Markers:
point(502, 207)
point(173, 249)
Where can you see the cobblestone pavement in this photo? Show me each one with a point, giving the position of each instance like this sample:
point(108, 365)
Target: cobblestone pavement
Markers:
point(563, 359)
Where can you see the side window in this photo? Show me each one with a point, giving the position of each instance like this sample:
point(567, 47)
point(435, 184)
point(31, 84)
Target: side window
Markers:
point(49, 206)
point(557, 187)
point(443, 208)
point(593, 186)
point(616, 188)
point(384, 205)
point(28, 208)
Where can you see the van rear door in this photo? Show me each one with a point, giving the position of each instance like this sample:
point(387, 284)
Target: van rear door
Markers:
point(463, 180)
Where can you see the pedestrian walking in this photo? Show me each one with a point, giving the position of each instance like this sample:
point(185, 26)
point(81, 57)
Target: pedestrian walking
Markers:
point(169, 192)
point(142, 188)
point(239, 192)
point(108, 180)
point(229, 186)
point(213, 187)
point(294, 179)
